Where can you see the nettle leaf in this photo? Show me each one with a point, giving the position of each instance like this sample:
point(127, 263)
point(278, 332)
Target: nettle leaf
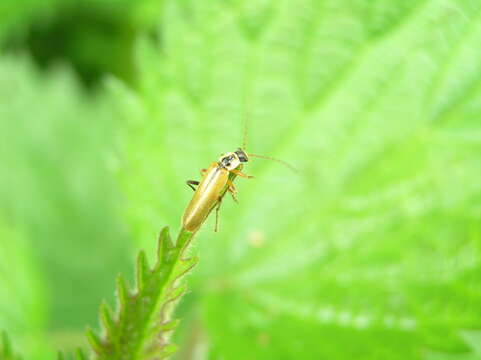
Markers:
point(57, 187)
point(141, 326)
point(374, 250)
point(22, 297)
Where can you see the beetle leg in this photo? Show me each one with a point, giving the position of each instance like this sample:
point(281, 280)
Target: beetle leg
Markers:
point(217, 215)
point(194, 182)
point(240, 173)
point(191, 183)
point(232, 189)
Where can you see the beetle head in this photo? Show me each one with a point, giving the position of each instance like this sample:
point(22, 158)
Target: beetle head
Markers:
point(242, 155)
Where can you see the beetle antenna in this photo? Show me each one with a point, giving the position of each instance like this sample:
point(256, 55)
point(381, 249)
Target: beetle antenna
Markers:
point(245, 118)
point(286, 164)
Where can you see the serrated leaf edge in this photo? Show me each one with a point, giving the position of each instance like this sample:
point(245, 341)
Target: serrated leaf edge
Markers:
point(170, 267)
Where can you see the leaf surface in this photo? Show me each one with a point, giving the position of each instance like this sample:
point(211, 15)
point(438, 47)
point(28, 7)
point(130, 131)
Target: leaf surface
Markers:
point(373, 251)
point(22, 299)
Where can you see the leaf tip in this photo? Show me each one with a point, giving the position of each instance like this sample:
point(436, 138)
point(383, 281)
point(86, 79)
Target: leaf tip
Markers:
point(80, 355)
point(106, 319)
point(168, 350)
point(170, 325)
point(122, 291)
point(143, 270)
point(164, 245)
point(94, 341)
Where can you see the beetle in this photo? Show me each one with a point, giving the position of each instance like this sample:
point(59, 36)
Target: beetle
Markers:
point(216, 181)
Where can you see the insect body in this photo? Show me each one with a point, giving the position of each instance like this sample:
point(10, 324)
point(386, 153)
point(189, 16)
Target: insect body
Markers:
point(216, 181)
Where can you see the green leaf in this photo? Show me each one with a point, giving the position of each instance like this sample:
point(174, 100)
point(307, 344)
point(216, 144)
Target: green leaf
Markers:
point(79, 355)
point(22, 296)
point(141, 325)
point(6, 351)
point(15, 14)
point(374, 250)
point(472, 339)
point(58, 189)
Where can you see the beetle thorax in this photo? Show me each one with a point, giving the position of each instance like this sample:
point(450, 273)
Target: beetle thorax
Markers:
point(229, 161)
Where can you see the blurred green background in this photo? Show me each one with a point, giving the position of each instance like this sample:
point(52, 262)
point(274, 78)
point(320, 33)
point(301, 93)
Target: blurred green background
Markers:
point(372, 251)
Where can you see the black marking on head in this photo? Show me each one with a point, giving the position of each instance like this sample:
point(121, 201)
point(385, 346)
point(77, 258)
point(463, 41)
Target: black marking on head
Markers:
point(226, 160)
point(242, 155)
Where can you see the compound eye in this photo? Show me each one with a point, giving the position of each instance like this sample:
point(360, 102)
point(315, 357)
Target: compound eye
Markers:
point(241, 155)
point(242, 158)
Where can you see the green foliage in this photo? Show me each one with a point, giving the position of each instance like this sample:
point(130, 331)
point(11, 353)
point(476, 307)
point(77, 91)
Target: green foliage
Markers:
point(22, 293)
point(15, 14)
point(142, 323)
point(95, 37)
point(6, 351)
point(472, 340)
point(57, 188)
point(79, 355)
point(374, 250)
